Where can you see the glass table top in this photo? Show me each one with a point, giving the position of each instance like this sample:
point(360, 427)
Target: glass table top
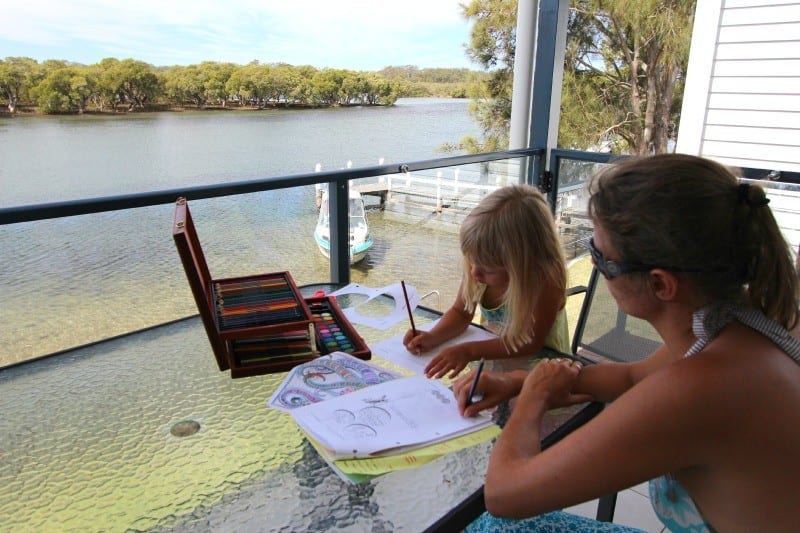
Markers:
point(103, 438)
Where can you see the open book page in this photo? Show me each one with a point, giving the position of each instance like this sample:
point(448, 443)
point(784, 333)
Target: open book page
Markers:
point(394, 350)
point(388, 418)
point(326, 377)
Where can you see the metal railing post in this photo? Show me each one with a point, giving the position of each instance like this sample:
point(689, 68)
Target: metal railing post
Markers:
point(339, 202)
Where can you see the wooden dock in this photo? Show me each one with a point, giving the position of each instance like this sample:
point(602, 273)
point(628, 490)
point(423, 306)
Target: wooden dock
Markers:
point(429, 194)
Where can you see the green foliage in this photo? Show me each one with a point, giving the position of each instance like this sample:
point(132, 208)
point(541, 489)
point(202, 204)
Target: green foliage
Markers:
point(623, 78)
point(17, 76)
point(430, 82)
point(57, 86)
point(624, 73)
point(64, 89)
point(492, 45)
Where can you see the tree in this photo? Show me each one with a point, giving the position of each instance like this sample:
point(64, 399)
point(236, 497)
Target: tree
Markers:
point(283, 80)
point(59, 86)
point(240, 85)
point(107, 93)
point(131, 81)
point(218, 75)
point(327, 85)
point(65, 90)
point(623, 73)
point(83, 86)
point(187, 84)
point(492, 46)
point(17, 76)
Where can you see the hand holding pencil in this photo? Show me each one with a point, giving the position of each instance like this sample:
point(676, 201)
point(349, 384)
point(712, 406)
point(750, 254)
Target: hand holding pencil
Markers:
point(483, 389)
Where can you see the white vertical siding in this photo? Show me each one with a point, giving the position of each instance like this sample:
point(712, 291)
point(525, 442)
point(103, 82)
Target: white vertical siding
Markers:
point(742, 99)
point(741, 105)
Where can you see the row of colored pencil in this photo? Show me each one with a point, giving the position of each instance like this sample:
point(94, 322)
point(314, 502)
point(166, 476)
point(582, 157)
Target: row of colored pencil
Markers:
point(255, 302)
point(283, 347)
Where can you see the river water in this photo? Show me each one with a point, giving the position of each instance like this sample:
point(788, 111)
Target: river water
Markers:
point(71, 281)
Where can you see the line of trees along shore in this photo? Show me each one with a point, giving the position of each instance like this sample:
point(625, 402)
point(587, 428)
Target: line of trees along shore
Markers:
point(63, 87)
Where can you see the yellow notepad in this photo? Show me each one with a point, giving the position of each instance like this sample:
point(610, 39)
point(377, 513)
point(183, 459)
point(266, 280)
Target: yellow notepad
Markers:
point(353, 469)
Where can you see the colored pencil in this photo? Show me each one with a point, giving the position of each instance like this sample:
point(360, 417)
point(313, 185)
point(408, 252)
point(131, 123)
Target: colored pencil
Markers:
point(408, 307)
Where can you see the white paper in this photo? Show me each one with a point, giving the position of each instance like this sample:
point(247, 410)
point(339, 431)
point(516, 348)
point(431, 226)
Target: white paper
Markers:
point(394, 291)
point(387, 418)
point(395, 351)
point(326, 377)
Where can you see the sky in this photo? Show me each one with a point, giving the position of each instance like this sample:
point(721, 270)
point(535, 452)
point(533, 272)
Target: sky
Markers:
point(363, 35)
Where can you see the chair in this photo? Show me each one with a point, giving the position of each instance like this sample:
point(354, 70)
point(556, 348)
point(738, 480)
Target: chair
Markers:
point(604, 332)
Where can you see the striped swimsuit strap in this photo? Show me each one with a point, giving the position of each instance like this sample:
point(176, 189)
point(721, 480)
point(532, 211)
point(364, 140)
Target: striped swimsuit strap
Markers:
point(708, 321)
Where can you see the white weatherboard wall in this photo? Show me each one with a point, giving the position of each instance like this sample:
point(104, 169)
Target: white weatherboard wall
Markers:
point(741, 105)
point(742, 99)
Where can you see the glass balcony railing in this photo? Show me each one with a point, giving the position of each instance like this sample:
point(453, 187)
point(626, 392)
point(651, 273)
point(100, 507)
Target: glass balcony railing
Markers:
point(79, 272)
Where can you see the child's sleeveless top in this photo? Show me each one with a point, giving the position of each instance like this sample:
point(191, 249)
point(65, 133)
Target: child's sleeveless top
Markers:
point(493, 320)
point(673, 505)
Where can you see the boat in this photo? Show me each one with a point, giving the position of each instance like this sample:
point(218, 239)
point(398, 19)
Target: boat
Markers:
point(360, 237)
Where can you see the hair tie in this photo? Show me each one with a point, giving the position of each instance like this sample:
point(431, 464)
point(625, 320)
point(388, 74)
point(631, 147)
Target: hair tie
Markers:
point(744, 197)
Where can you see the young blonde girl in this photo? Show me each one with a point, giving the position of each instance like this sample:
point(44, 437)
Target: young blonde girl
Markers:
point(514, 273)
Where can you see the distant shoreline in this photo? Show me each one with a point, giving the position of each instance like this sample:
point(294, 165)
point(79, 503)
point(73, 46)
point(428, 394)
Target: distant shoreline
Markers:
point(33, 111)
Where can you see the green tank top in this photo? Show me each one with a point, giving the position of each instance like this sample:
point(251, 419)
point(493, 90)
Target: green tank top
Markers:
point(557, 339)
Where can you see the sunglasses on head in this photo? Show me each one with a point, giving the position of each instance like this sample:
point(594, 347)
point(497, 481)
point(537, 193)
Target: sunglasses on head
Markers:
point(611, 269)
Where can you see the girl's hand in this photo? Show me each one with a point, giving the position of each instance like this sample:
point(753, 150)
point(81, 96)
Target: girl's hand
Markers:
point(494, 387)
point(551, 382)
point(422, 342)
point(453, 359)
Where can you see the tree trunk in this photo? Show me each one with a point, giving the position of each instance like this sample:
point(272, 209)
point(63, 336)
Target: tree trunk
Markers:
point(667, 81)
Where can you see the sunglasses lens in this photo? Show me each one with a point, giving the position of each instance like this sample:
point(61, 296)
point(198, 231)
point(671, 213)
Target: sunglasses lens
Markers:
point(597, 259)
point(612, 270)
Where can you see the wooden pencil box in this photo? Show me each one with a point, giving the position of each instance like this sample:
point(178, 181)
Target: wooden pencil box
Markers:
point(255, 324)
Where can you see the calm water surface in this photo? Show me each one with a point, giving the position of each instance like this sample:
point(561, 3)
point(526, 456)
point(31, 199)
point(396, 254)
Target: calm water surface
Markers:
point(70, 281)
point(47, 159)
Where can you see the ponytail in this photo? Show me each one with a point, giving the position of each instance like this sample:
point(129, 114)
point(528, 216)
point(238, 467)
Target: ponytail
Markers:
point(772, 282)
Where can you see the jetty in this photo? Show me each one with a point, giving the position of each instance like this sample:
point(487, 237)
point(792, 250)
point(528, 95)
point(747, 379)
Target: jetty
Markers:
point(448, 193)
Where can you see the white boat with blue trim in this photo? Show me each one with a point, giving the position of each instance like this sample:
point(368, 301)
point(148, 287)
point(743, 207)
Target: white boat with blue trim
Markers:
point(360, 237)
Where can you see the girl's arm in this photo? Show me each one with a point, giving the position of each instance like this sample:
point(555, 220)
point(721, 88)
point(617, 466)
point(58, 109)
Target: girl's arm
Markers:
point(454, 359)
point(453, 322)
point(494, 387)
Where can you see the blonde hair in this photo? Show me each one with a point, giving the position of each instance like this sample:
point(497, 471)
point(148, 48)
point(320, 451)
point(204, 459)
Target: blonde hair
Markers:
point(692, 213)
point(513, 228)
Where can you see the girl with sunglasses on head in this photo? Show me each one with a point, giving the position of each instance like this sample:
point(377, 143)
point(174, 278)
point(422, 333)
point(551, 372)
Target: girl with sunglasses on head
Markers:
point(711, 418)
